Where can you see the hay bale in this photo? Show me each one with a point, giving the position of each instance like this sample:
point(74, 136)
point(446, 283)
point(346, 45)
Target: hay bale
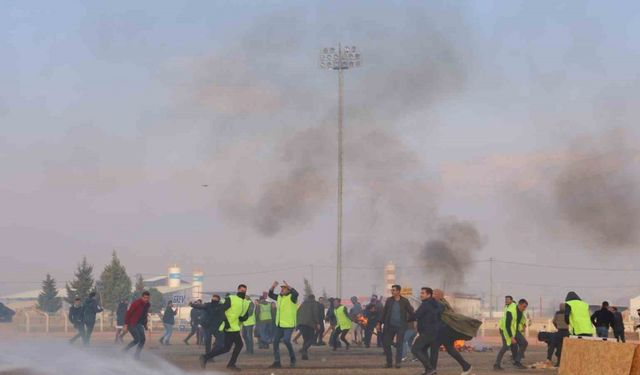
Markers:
point(595, 357)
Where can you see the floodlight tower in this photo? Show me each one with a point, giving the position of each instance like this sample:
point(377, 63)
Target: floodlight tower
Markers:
point(340, 59)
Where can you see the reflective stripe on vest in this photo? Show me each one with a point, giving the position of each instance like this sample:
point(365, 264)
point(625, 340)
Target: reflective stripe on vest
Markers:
point(344, 323)
point(286, 314)
point(238, 308)
point(514, 321)
point(580, 319)
point(251, 320)
point(265, 312)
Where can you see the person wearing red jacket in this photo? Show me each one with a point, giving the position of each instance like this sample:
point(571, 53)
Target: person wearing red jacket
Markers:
point(135, 321)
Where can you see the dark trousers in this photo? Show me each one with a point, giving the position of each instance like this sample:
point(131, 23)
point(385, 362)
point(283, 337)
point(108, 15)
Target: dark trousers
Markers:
point(319, 333)
point(284, 335)
point(421, 348)
point(308, 338)
point(340, 336)
point(389, 333)
point(334, 340)
point(446, 337)
point(139, 338)
point(619, 335)
point(209, 334)
point(247, 335)
point(556, 344)
point(88, 331)
point(506, 345)
point(368, 333)
point(523, 344)
point(230, 339)
point(195, 330)
point(79, 332)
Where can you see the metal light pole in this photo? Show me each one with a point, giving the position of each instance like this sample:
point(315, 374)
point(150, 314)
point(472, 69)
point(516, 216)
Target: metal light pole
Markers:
point(340, 59)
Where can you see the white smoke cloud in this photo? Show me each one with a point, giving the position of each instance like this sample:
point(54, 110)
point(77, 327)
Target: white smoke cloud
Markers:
point(54, 358)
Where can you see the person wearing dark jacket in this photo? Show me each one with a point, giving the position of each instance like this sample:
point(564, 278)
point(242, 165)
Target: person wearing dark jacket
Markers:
point(308, 320)
point(428, 318)
point(617, 324)
point(330, 318)
point(212, 318)
point(194, 320)
point(76, 317)
point(6, 314)
point(90, 309)
point(395, 317)
point(135, 322)
point(236, 311)
point(168, 320)
point(121, 310)
point(453, 326)
point(602, 320)
point(373, 313)
point(321, 315)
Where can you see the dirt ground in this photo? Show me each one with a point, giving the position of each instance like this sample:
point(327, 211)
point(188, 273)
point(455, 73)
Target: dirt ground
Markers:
point(357, 361)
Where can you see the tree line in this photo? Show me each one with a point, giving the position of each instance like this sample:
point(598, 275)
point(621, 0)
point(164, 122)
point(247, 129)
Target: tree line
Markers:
point(113, 286)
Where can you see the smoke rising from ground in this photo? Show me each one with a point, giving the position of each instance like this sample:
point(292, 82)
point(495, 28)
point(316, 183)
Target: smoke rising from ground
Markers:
point(391, 200)
point(450, 252)
point(598, 192)
point(54, 358)
point(377, 161)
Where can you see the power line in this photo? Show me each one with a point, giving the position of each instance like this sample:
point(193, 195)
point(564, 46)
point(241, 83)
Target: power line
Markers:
point(576, 268)
point(305, 267)
point(572, 286)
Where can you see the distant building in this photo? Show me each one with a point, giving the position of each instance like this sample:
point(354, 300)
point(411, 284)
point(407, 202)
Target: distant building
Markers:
point(22, 300)
point(172, 287)
point(634, 305)
point(389, 278)
point(466, 304)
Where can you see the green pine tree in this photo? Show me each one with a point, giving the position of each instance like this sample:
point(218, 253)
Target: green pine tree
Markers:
point(82, 283)
point(139, 288)
point(116, 284)
point(308, 289)
point(157, 302)
point(48, 300)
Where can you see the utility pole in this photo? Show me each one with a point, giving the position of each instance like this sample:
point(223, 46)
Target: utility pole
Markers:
point(340, 59)
point(491, 288)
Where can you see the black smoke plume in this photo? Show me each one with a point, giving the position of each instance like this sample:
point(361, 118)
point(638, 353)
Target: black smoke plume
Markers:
point(598, 193)
point(450, 253)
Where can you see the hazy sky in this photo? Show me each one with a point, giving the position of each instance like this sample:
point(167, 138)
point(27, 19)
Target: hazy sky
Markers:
point(113, 115)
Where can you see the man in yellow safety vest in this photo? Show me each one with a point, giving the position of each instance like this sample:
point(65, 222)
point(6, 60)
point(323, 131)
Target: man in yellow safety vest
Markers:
point(248, 325)
point(236, 311)
point(576, 314)
point(508, 329)
point(343, 324)
point(264, 324)
point(286, 316)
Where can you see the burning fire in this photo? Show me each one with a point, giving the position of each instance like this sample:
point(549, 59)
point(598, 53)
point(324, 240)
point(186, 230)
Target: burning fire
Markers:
point(459, 345)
